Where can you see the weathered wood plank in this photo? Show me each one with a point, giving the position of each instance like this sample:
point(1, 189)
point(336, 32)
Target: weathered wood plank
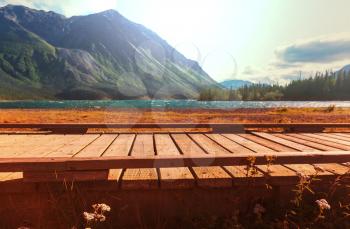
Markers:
point(7, 140)
point(205, 176)
point(212, 177)
point(68, 163)
point(330, 139)
point(4, 176)
point(248, 144)
point(242, 176)
point(268, 143)
point(307, 169)
point(323, 141)
point(11, 176)
point(208, 145)
point(186, 145)
point(71, 176)
point(228, 144)
point(172, 178)
point(289, 144)
point(56, 176)
point(139, 179)
point(50, 145)
point(337, 169)
point(279, 175)
point(276, 171)
point(338, 136)
point(53, 142)
point(146, 178)
point(94, 149)
point(346, 135)
point(75, 146)
point(97, 147)
point(314, 145)
point(120, 147)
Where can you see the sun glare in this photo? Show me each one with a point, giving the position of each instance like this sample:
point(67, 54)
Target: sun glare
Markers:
point(89, 6)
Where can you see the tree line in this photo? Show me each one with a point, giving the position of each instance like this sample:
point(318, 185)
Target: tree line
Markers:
point(323, 86)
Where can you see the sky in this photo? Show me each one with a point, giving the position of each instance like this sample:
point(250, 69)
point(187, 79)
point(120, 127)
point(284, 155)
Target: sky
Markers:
point(270, 41)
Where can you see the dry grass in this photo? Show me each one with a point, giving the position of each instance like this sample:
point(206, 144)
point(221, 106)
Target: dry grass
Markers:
point(278, 115)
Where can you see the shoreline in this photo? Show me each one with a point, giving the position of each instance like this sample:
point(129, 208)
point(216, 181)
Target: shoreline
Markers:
point(189, 115)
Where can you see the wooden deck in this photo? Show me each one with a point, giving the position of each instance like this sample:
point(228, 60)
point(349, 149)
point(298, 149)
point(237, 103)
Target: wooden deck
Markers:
point(173, 160)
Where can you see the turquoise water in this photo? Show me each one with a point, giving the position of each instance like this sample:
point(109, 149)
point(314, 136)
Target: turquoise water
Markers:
point(164, 104)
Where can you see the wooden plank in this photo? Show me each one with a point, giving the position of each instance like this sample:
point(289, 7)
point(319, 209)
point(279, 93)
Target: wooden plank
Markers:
point(332, 145)
point(338, 136)
point(248, 144)
point(314, 145)
point(15, 148)
point(171, 178)
point(120, 147)
point(337, 169)
point(100, 163)
point(50, 146)
point(4, 138)
point(71, 176)
point(205, 175)
point(29, 146)
point(307, 169)
point(276, 171)
point(242, 172)
point(42, 145)
point(9, 140)
point(60, 141)
point(269, 144)
point(212, 177)
point(208, 145)
point(97, 147)
point(15, 176)
point(241, 176)
point(285, 142)
point(330, 139)
point(279, 175)
point(4, 177)
point(346, 135)
point(146, 178)
point(74, 146)
point(187, 145)
point(228, 144)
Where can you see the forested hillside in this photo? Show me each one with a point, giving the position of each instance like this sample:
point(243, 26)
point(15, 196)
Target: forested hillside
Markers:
point(322, 86)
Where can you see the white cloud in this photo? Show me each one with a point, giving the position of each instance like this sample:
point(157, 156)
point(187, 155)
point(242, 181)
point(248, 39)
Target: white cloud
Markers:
point(304, 58)
point(316, 50)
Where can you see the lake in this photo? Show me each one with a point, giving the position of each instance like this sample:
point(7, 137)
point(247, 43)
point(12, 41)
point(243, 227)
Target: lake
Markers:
point(167, 104)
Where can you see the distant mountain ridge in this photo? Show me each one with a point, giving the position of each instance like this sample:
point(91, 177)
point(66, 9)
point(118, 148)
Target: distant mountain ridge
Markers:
point(235, 84)
point(345, 69)
point(44, 55)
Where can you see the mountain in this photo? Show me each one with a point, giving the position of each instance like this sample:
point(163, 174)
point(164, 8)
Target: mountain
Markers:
point(235, 84)
point(345, 69)
point(44, 55)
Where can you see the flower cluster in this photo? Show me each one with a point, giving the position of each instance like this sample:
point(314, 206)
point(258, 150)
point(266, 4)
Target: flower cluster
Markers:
point(323, 204)
point(99, 213)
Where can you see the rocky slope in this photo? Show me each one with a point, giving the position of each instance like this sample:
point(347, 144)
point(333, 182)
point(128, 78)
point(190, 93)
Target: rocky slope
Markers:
point(44, 55)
